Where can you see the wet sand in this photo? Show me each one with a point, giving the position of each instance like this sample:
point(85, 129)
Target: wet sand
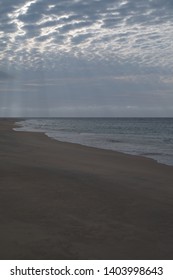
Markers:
point(67, 201)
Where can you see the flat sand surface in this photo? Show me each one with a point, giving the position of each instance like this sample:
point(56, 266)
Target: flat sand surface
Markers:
point(66, 201)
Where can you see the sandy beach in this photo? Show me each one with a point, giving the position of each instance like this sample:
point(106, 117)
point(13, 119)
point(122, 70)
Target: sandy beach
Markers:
point(67, 201)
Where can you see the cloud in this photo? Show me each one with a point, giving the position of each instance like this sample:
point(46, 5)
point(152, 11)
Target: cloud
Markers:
point(5, 76)
point(94, 51)
point(83, 26)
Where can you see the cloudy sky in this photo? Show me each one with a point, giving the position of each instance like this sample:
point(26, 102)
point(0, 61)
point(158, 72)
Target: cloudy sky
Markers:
point(86, 58)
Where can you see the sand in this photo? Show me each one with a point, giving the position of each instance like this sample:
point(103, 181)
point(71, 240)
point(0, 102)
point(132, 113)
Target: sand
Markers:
point(67, 201)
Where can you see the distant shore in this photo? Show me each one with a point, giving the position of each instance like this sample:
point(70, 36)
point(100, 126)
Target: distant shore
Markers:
point(66, 201)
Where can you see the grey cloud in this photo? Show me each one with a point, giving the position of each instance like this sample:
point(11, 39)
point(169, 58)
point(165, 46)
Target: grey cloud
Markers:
point(5, 76)
point(8, 28)
point(42, 38)
point(88, 13)
point(81, 38)
point(141, 12)
point(31, 31)
point(8, 6)
point(111, 22)
point(30, 17)
point(114, 35)
point(74, 26)
point(48, 24)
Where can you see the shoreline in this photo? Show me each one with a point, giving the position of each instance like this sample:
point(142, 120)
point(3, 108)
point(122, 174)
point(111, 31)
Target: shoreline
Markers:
point(162, 155)
point(68, 201)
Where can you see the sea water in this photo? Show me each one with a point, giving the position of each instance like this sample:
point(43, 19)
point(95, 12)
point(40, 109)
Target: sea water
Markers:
point(149, 137)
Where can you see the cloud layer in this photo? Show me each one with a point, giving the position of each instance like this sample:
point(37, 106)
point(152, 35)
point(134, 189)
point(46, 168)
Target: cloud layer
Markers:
point(135, 30)
point(113, 46)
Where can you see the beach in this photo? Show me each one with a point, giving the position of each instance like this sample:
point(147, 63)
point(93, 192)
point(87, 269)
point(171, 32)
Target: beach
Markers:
point(66, 201)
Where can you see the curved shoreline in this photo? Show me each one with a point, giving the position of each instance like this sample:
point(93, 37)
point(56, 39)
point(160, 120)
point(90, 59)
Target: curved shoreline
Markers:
point(156, 153)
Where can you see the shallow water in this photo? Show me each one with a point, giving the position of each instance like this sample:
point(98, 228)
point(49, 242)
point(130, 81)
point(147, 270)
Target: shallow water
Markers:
point(149, 137)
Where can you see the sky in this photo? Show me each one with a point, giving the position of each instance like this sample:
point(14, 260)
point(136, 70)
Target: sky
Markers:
point(86, 58)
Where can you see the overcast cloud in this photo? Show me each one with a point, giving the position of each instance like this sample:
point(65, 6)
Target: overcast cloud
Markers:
point(86, 58)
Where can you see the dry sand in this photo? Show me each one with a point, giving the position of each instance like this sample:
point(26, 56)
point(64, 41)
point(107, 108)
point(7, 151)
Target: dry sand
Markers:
point(66, 201)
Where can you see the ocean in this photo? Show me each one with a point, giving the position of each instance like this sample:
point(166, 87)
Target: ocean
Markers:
point(148, 137)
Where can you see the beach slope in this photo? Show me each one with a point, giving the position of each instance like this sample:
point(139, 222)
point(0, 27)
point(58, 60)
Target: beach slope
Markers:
point(67, 201)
